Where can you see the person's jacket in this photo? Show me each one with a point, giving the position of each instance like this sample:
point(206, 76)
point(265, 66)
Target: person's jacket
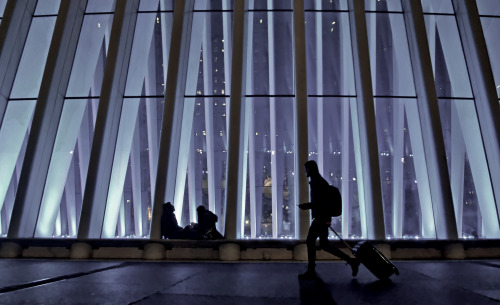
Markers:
point(169, 223)
point(206, 220)
point(318, 204)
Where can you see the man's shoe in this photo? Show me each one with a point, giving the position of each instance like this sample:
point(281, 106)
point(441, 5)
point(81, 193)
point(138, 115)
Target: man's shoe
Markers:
point(308, 275)
point(355, 266)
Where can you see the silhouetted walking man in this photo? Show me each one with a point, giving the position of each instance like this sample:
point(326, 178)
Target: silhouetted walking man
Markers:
point(321, 221)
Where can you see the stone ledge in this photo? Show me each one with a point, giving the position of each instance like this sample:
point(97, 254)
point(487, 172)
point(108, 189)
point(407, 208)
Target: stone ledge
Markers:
point(46, 252)
point(225, 250)
point(117, 253)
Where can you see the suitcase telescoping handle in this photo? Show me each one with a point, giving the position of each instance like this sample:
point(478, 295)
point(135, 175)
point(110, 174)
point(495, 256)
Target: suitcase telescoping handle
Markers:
point(346, 244)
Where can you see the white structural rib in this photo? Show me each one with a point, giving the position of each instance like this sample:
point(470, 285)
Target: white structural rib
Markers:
point(367, 129)
point(107, 130)
point(486, 100)
point(166, 180)
point(45, 122)
point(430, 123)
point(301, 195)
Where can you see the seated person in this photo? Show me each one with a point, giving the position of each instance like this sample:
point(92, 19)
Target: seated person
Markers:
point(169, 227)
point(206, 224)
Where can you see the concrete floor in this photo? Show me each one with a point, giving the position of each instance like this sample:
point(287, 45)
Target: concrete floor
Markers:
point(41, 281)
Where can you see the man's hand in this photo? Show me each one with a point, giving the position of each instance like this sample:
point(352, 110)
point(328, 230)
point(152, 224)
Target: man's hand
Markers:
point(302, 206)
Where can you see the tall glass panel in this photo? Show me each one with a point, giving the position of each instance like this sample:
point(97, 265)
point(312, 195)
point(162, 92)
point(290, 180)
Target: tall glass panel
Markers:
point(469, 175)
point(17, 119)
point(271, 5)
point(389, 55)
point(271, 53)
point(148, 60)
point(133, 177)
point(447, 56)
point(205, 178)
point(438, 6)
point(30, 70)
point(131, 190)
point(100, 6)
point(62, 198)
point(329, 54)
point(269, 209)
point(332, 141)
point(15, 130)
point(334, 145)
point(491, 30)
point(326, 5)
point(403, 170)
point(467, 164)
point(47, 7)
point(202, 164)
point(2, 7)
point(90, 58)
point(383, 5)
point(61, 205)
point(488, 7)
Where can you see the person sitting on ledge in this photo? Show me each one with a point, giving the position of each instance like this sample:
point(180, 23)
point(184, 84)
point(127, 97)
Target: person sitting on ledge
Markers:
point(169, 227)
point(206, 224)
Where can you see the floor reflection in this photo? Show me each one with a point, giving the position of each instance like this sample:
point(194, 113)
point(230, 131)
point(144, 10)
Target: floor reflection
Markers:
point(315, 292)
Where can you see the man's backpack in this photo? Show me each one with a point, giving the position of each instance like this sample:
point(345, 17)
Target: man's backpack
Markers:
point(334, 207)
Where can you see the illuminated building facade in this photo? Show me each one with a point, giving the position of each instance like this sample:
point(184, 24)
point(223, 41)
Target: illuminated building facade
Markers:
point(108, 110)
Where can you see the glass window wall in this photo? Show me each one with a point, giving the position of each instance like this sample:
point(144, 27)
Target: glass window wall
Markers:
point(133, 178)
point(332, 133)
point(202, 165)
point(65, 183)
point(16, 123)
point(269, 208)
point(403, 173)
point(2, 8)
point(490, 20)
point(469, 174)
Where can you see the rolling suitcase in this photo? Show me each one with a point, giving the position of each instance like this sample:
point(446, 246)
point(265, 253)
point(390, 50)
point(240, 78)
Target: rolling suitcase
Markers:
point(371, 258)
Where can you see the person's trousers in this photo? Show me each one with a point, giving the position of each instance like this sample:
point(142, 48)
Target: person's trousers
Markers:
point(320, 229)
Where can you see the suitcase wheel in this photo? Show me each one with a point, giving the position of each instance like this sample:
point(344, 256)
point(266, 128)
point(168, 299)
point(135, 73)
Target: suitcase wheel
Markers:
point(396, 271)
